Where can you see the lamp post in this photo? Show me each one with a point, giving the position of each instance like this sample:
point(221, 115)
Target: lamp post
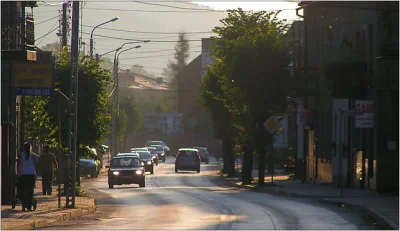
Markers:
point(119, 48)
point(91, 35)
point(115, 102)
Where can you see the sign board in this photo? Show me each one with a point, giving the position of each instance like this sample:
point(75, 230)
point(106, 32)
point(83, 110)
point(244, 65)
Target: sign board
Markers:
point(206, 57)
point(366, 120)
point(272, 124)
point(163, 122)
point(35, 79)
point(304, 116)
point(281, 136)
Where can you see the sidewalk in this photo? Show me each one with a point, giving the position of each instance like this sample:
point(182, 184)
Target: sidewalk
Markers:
point(383, 208)
point(47, 211)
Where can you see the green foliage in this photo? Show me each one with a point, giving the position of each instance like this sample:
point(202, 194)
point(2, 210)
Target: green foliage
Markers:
point(93, 105)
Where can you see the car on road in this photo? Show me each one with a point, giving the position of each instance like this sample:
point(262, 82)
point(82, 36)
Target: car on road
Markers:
point(89, 167)
point(126, 170)
point(128, 154)
point(139, 149)
point(147, 160)
point(187, 159)
point(203, 154)
point(160, 152)
point(154, 154)
point(167, 150)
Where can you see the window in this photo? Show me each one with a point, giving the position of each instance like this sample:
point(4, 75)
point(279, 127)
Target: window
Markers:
point(125, 162)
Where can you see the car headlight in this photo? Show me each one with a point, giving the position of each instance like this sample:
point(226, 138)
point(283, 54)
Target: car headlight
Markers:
point(116, 173)
point(167, 148)
point(149, 162)
point(162, 154)
point(139, 172)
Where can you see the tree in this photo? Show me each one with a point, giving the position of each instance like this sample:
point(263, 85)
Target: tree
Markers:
point(181, 55)
point(255, 77)
point(53, 47)
point(211, 97)
point(93, 105)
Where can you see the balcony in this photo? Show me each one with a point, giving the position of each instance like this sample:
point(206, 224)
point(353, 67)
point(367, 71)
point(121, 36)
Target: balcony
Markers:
point(17, 32)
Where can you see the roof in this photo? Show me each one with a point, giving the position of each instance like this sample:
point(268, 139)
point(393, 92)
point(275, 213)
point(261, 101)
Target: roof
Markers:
point(120, 155)
point(188, 149)
point(152, 147)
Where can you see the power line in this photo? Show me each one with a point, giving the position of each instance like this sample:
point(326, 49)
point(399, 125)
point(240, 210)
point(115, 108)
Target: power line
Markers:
point(152, 56)
point(175, 7)
point(148, 32)
point(44, 36)
point(146, 52)
point(47, 20)
point(151, 11)
point(141, 40)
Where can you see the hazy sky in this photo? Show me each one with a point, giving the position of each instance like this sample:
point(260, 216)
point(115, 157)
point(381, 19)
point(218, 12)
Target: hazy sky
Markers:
point(158, 21)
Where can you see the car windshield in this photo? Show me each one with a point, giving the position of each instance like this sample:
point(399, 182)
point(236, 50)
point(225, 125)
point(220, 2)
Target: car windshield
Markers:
point(202, 150)
point(126, 162)
point(153, 151)
point(144, 154)
point(149, 143)
point(187, 152)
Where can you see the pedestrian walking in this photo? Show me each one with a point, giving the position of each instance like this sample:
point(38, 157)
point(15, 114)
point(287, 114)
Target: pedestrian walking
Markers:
point(47, 165)
point(27, 165)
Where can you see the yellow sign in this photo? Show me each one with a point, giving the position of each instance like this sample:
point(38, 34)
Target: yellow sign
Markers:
point(33, 75)
point(272, 125)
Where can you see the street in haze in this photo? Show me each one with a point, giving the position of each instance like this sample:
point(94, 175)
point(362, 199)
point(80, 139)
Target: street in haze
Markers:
point(190, 200)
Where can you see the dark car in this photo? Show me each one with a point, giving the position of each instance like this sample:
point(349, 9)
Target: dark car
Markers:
point(155, 142)
point(89, 167)
point(187, 159)
point(203, 154)
point(147, 160)
point(154, 154)
point(125, 170)
point(160, 152)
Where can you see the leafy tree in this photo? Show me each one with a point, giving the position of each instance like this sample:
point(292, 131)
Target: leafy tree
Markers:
point(255, 77)
point(211, 97)
point(181, 55)
point(53, 47)
point(93, 105)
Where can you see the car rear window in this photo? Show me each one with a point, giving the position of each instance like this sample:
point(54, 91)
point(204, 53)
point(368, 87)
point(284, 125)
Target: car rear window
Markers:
point(187, 153)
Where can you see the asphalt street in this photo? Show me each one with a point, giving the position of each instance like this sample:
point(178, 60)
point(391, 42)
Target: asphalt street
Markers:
point(190, 200)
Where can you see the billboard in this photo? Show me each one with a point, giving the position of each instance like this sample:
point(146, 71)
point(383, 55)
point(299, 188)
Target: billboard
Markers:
point(163, 122)
point(36, 78)
point(281, 136)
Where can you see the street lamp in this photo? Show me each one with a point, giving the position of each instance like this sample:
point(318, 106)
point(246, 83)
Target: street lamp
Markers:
point(91, 35)
point(119, 48)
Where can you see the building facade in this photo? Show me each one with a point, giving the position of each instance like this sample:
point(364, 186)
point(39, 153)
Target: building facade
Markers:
point(351, 56)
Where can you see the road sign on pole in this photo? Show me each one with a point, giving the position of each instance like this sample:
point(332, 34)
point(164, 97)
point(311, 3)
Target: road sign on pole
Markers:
point(272, 124)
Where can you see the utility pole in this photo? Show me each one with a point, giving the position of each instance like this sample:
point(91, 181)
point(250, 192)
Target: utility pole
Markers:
point(64, 25)
point(73, 96)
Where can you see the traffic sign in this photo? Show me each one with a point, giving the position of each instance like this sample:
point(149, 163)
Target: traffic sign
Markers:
point(272, 124)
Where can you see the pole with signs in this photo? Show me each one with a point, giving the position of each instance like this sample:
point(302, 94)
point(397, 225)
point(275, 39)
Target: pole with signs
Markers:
point(272, 125)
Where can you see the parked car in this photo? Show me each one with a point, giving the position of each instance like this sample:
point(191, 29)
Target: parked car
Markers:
point(187, 159)
point(126, 170)
point(203, 154)
point(160, 152)
point(147, 160)
point(290, 165)
point(154, 142)
point(89, 167)
point(153, 153)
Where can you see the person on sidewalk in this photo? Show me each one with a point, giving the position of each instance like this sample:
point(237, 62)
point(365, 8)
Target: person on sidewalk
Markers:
point(27, 165)
point(47, 165)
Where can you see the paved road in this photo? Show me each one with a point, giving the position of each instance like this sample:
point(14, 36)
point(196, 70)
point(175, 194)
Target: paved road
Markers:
point(191, 200)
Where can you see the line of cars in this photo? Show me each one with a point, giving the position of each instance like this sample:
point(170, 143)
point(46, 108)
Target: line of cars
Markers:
point(130, 167)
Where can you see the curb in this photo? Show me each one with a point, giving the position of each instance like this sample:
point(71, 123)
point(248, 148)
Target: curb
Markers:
point(382, 221)
point(67, 215)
